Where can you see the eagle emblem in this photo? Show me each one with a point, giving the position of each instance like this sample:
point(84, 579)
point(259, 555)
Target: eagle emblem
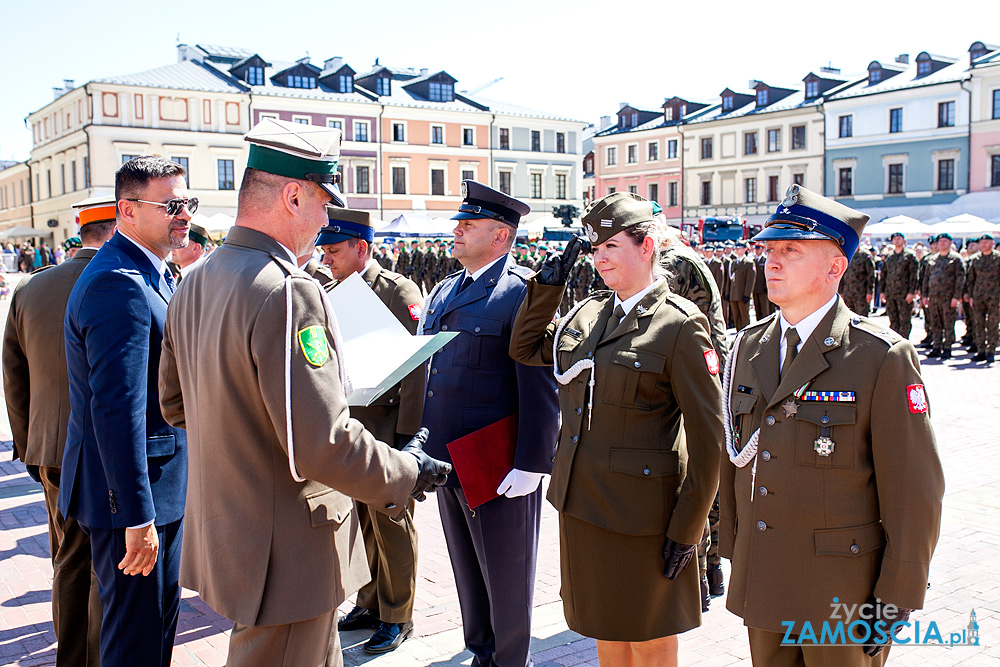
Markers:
point(591, 234)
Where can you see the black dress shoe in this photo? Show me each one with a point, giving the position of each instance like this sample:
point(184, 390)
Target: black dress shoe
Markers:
point(706, 599)
point(946, 354)
point(716, 586)
point(359, 618)
point(980, 357)
point(989, 358)
point(388, 637)
point(934, 353)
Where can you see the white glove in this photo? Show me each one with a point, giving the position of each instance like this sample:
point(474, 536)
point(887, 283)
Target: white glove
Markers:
point(519, 483)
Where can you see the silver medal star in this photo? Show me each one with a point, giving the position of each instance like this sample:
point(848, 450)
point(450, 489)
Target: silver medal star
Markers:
point(790, 407)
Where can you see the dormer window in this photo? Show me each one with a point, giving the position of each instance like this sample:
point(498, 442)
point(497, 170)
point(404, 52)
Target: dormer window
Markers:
point(296, 81)
point(762, 97)
point(683, 110)
point(441, 92)
point(345, 83)
point(812, 89)
point(923, 64)
point(727, 103)
point(255, 76)
point(874, 76)
point(668, 114)
point(382, 86)
point(635, 119)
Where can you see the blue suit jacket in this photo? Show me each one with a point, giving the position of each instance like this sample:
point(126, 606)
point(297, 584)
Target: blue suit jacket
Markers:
point(473, 382)
point(122, 465)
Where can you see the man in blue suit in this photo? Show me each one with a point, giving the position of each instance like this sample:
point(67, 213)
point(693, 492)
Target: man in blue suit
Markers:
point(472, 383)
point(124, 470)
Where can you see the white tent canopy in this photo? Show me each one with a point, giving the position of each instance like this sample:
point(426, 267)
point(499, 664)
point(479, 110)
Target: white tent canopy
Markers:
point(965, 224)
point(410, 224)
point(898, 223)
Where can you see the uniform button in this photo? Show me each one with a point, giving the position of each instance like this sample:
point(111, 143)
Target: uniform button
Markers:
point(575, 438)
point(824, 419)
point(477, 329)
point(392, 400)
point(645, 471)
point(765, 455)
point(762, 491)
point(111, 493)
point(761, 525)
point(553, 459)
point(770, 420)
point(579, 411)
point(590, 353)
point(430, 394)
point(444, 327)
point(855, 548)
point(434, 371)
point(637, 364)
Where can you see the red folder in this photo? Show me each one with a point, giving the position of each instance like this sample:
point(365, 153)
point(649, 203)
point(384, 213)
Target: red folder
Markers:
point(483, 458)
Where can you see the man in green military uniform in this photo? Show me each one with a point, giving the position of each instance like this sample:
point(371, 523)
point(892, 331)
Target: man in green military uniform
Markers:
point(983, 280)
point(924, 260)
point(898, 285)
point(386, 602)
point(944, 283)
point(742, 277)
point(832, 489)
point(761, 305)
point(859, 281)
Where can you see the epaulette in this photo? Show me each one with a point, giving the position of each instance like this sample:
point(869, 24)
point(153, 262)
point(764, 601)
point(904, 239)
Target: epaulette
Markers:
point(682, 304)
point(521, 272)
point(887, 336)
point(759, 323)
point(41, 268)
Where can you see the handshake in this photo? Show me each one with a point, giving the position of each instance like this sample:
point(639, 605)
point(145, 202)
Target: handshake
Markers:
point(431, 473)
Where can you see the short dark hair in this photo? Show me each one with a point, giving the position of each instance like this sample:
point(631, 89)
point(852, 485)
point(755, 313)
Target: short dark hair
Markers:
point(133, 176)
point(97, 232)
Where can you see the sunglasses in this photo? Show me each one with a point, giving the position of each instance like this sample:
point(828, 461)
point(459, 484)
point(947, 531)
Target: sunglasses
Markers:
point(174, 206)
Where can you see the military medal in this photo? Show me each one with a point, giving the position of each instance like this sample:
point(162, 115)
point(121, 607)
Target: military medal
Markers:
point(824, 445)
point(790, 407)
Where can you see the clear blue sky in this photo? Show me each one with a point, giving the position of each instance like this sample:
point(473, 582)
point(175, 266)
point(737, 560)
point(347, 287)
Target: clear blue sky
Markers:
point(578, 59)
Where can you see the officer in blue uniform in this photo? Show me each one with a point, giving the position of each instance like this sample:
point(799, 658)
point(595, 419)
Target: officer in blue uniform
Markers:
point(472, 383)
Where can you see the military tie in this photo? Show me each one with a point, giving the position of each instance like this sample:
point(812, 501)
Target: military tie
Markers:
point(615, 320)
point(791, 349)
point(465, 284)
point(169, 279)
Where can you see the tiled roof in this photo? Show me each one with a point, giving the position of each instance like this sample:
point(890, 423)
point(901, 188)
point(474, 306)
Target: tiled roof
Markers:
point(228, 52)
point(185, 75)
point(907, 80)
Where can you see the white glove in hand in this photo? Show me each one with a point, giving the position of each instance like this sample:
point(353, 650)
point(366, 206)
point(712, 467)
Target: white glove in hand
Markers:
point(519, 483)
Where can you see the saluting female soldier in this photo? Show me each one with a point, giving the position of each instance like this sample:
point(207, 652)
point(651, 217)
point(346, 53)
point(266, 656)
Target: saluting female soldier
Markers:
point(631, 489)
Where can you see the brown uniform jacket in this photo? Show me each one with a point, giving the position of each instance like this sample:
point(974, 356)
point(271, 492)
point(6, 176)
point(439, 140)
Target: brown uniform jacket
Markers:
point(35, 380)
point(260, 547)
point(743, 276)
point(633, 471)
point(398, 410)
point(861, 522)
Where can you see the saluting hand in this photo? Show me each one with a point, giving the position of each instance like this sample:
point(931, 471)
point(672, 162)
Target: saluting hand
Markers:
point(141, 548)
point(557, 265)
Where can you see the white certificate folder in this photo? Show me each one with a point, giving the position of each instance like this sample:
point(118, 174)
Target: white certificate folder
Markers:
point(378, 350)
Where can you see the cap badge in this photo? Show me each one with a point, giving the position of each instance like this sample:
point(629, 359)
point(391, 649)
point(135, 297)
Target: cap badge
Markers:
point(791, 197)
point(465, 190)
point(591, 234)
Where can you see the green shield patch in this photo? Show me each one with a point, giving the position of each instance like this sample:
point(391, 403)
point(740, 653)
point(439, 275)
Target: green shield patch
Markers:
point(314, 347)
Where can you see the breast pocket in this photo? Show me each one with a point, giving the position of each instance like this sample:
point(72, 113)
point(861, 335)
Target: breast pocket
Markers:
point(479, 342)
point(632, 378)
point(825, 427)
point(741, 406)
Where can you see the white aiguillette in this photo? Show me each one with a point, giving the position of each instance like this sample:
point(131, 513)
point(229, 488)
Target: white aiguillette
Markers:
point(378, 350)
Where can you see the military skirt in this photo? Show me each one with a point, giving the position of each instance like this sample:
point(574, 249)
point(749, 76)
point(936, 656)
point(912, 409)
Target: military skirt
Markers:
point(613, 586)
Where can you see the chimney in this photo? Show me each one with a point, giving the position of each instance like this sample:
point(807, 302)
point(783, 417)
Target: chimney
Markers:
point(424, 71)
point(333, 63)
point(903, 59)
point(622, 105)
point(829, 69)
point(57, 93)
point(303, 61)
point(753, 84)
point(605, 122)
point(68, 84)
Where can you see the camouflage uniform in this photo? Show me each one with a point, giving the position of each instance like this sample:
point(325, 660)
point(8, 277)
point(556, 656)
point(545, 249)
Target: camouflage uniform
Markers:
point(689, 276)
point(430, 269)
point(899, 278)
point(586, 275)
point(984, 288)
point(858, 281)
point(944, 281)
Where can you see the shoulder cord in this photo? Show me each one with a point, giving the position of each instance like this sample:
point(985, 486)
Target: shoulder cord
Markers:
point(573, 371)
point(338, 346)
point(739, 458)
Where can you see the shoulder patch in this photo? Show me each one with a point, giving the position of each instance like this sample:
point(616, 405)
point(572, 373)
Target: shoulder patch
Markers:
point(887, 336)
point(312, 339)
point(521, 272)
point(415, 311)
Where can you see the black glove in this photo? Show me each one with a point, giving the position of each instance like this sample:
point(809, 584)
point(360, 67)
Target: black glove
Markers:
point(431, 473)
point(880, 626)
point(746, 300)
point(677, 556)
point(557, 266)
point(33, 473)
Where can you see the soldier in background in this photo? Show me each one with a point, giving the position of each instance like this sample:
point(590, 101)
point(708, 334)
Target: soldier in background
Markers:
point(898, 285)
point(857, 283)
point(924, 258)
point(983, 279)
point(969, 250)
point(761, 304)
point(944, 285)
point(742, 277)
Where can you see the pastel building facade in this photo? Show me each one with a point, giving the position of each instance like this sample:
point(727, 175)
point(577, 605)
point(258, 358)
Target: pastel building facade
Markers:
point(984, 140)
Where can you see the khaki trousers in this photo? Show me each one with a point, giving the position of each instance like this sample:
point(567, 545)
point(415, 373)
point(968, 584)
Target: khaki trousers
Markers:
point(76, 605)
point(310, 643)
point(740, 312)
point(392, 559)
point(766, 650)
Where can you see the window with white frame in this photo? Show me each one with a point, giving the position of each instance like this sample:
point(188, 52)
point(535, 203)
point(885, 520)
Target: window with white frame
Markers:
point(536, 141)
point(335, 122)
point(504, 179)
point(632, 151)
point(653, 151)
point(653, 192)
point(798, 137)
point(399, 132)
point(437, 182)
point(946, 114)
point(672, 149)
point(536, 185)
point(437, 134)
point(896, 175)
point(611, 156)
point(996, 104)
point(773, 141)
point(750, 190)
point(946, 174)
point(672, 193)
point(812, 89)
point(845, 126)
point(706, 193)
point(398, 174)
point(468, 136)
point(633, 189)
point(845, 182)
point(361, 130)
point(560, 186)
point(362, 174)
point(302, 120)
point(560, 142)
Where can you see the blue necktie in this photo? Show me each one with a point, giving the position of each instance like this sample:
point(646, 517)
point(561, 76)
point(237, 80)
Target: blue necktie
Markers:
point(465, 284)
point(169, 278)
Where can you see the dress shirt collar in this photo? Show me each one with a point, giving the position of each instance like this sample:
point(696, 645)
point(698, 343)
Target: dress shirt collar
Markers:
point(805, 327)
point(478, 274)
point(159, 264)
point(629, 303)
